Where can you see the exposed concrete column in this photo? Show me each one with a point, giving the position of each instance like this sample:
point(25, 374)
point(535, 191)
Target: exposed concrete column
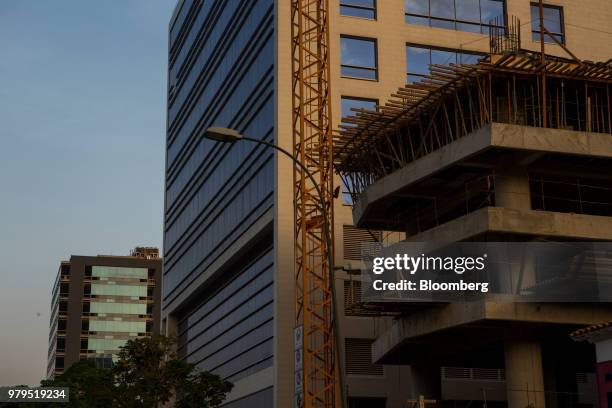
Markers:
point(512, 192)
point(512, 189)
point(524, 374)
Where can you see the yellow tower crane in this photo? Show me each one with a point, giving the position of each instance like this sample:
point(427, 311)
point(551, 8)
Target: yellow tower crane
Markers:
point(316, 351)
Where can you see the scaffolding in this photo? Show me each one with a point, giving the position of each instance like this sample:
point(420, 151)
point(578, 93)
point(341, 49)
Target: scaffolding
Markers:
point(145, 252)
point(456, 100)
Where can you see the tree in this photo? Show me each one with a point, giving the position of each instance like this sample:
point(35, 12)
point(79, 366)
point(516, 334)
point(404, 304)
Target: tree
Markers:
point(147, 374)
point(89, 385)
point(204, 390)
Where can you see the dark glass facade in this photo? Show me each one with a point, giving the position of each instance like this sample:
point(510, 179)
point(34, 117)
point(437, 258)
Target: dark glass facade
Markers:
point(230, 331)
point(221, 73)
point(225, 78)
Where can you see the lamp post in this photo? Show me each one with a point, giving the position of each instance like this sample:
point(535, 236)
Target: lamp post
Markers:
point(226, 135)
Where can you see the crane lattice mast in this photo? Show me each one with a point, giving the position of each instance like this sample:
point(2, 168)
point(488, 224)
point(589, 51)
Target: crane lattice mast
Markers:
point(316, 367)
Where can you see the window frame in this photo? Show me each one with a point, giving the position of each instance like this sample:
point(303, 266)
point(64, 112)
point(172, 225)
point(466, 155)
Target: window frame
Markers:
point(356, 98)
point(373, 9)
point(435, 48)
point(535, 33)
point(456, 21)
point(375, 69)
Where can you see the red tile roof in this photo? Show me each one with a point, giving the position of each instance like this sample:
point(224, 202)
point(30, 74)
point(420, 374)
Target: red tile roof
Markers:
point(591, 329)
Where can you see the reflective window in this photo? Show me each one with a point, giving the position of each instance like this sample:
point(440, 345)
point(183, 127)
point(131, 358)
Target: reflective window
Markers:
point(349, 103)
point(490, 10)
point(119, 290)
point(118, 308)
point(195, 101)
point(220, 190)
point(193, 32)
point(180, 19)
point(103, 360)
point(358, 57)
point(443, 13)
point(464, 15)
point(222, 225)
point(117, 326)
point(553, 22)
point(223, 74)
point(61, 324)
point(119, 272)
point(418, 59)
point(358, 8)
point(59, 362)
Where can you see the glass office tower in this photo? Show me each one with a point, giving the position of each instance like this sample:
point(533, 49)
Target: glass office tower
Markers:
point(219, 266)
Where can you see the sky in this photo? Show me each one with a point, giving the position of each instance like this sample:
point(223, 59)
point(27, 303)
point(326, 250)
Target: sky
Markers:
point(82, 119)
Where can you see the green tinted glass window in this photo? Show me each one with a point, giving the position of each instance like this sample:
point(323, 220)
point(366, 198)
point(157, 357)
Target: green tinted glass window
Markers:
point(124, 308)
point(104, 360)
point(118, 290)
point(119, 272)
point(102, 345)
point(117, 326)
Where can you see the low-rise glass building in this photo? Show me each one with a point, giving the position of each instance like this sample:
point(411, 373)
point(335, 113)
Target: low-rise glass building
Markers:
point(101, 302)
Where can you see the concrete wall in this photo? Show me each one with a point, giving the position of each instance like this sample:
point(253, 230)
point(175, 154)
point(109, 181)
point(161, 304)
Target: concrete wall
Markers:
point(587, 27)
point(604, 350)
point(284, 319)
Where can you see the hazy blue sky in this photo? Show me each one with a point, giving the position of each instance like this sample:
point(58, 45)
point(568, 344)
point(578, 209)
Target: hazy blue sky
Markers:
point(82, 115)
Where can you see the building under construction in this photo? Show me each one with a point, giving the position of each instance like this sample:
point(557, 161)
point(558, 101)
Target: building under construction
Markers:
point(231, 236)
point(514, 148)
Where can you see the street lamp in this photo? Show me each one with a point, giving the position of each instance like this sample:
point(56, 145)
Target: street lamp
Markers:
point(226, 135)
